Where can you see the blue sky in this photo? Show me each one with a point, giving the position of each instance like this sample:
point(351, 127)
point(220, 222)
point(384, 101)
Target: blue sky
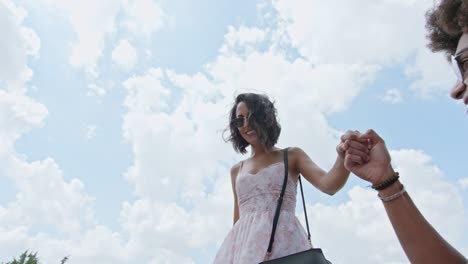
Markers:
point(112, 114)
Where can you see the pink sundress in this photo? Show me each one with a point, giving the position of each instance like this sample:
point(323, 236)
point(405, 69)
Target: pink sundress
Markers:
point(257, 194)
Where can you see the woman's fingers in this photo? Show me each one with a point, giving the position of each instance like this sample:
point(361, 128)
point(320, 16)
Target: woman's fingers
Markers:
point(358, 152)
point(342, 147)
point(352, 159)
point(357, 145)
point(350, 135)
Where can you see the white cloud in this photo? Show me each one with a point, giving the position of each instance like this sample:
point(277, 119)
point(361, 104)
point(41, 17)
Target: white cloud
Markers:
point(95, 21)
point(146, 93)
point(92, 21)
point(360, 222)
point(145, 220)
point(367, 32)
point(144, 16)
point(125, 55)
point(167, 256)
point(432, 74)
point(183, 229)
point(317, 87)
point(43, 197)
point(354, 31)
point(152, 121)
point(89, 131)
point(243, 35)
point(393, 96)
point(97, 245)
point(242, 38)
point(95, 90)
point(463, 183)
point(18, 115)
point(438, 199)
point(22, 42)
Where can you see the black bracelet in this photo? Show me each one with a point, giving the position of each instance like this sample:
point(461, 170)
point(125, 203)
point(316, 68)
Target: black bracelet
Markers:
point(387, 183)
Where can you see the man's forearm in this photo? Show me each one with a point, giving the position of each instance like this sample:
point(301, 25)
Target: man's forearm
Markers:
point(420, 241)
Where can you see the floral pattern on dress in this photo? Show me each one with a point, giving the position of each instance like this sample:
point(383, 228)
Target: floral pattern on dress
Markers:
point(257, 195)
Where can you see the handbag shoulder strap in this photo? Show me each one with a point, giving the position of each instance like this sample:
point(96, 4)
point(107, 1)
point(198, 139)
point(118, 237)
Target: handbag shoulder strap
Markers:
point(305, 212)
point(280, 202)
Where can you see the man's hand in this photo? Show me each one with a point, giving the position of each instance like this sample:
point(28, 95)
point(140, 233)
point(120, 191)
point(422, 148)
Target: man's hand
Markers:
point(378, 168)
point(351, 143)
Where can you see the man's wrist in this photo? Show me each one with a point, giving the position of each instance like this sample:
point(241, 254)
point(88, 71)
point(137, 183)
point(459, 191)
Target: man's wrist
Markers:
point(388, 174)
point(390, 190)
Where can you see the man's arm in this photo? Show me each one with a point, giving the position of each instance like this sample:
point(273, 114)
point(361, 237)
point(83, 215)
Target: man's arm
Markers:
point(420, 241)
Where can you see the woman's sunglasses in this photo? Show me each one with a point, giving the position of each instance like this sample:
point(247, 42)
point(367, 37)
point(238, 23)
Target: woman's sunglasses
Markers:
point(240, 121)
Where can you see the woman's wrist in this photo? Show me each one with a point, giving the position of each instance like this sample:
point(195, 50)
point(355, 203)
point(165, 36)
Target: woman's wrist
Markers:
point(340, 157)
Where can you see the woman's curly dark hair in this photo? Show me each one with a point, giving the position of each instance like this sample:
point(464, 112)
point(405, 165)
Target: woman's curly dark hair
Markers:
point(262, 119)
point(445, 23)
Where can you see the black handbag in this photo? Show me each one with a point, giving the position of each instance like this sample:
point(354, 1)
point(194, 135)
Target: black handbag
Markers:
point(310, 256)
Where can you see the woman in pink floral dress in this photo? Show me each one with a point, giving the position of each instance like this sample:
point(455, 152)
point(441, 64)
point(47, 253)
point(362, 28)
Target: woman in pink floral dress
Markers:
point(257, 183)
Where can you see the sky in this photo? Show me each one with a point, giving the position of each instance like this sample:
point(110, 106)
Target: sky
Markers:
point(112, 115)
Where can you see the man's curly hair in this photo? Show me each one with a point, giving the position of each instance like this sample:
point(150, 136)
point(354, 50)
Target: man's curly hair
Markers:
point(445, 23)
point(262, 119)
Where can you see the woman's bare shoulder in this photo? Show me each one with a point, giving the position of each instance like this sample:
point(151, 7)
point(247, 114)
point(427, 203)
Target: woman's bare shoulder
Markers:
point(235, 169)
point(296, 152)
point(296, 155)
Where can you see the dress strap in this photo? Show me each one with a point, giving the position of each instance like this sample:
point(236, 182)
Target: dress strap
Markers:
point(240, 168)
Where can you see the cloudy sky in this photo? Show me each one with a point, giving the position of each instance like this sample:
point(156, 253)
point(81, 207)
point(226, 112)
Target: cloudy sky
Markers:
point(112, 115)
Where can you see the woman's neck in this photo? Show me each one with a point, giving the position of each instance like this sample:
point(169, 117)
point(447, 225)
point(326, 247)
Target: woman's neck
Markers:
point(260, 150)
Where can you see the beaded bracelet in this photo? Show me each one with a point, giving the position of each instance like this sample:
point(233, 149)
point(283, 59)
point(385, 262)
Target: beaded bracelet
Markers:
point(393, 196)
point(387, 183)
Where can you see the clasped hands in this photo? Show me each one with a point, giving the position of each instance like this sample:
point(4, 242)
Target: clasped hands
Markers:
point(366, 156)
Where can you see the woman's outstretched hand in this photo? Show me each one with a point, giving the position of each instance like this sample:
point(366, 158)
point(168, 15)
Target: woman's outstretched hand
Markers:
point(351, 143)
point(378, 168)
